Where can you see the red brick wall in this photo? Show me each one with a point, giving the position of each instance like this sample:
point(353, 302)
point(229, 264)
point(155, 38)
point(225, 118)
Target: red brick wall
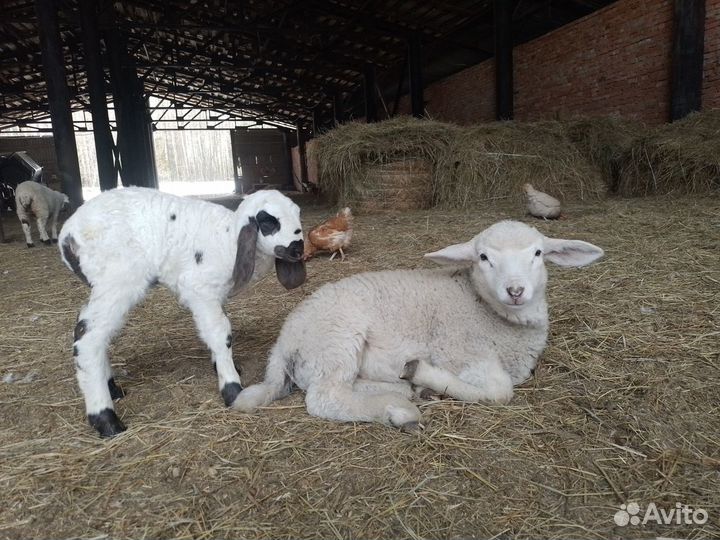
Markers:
point(711, 79)
point(466, 97)
point(614, 61)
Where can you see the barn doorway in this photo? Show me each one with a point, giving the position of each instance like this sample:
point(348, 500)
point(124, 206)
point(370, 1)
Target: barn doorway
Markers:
point(262, 160)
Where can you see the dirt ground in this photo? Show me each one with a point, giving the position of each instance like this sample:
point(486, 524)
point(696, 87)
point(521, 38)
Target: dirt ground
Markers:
point(625, 405)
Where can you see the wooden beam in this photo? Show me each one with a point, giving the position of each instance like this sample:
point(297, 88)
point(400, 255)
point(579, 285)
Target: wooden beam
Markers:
point(369, 85)
point(98, 99)
point(687, 58)
point(338, 108)
point(59, 99)
point(502, 14)
point(417, 102)
point(301, 154)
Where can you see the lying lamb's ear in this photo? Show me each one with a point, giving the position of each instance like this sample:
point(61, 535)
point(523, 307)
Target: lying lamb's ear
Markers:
point(245, 256)
point(455, 254)
point(290, 274)
point(571, 252)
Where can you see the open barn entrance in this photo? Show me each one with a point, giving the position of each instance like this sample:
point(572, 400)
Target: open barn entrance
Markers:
point(262, 159)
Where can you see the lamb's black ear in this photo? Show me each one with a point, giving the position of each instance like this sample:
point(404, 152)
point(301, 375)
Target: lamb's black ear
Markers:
point(245, 257)
point(290, 274)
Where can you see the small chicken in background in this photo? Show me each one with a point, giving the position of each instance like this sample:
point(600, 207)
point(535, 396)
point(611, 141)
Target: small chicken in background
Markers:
point(541, 205)
point(333, 235)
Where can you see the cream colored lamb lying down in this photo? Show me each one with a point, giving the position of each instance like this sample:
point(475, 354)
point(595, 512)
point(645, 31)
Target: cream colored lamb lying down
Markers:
point(471, 331)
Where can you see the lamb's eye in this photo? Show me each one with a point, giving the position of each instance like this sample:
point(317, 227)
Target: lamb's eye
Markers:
point(538, 253)
point(483, 257)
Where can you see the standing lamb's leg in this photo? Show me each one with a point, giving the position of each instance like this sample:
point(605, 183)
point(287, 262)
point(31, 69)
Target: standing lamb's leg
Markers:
point(214, 328)
point(25, 226)
point(42, 221)
point(486, 381)
point(54, 237)
point(336, 400)
point(98, 322)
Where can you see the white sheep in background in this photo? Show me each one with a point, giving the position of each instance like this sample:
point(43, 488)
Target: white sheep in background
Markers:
point(470, 332)
point(34, 199)
point(125, 241)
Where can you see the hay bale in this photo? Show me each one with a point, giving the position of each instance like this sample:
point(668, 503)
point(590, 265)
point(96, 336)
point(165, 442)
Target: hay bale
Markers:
point(346, 153)
point(682, 157)
point(400, 185)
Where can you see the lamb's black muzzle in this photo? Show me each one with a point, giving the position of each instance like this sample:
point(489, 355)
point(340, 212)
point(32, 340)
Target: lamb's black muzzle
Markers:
point(291, 253)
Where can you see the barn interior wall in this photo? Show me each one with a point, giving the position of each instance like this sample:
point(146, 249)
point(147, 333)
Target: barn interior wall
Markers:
point(615, 61)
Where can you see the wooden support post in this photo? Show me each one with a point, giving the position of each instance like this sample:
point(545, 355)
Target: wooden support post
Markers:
point(370, 93)
point(338, 108)
point(59, 99)
point(134, 129)
point(302, 155)
point(317, 119)
point(98, 99)
point(417, 102)
point(687, 58)
point(502, 11)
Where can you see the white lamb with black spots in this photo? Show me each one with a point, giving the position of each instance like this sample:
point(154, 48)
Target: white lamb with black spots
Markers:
point(44, 204)
point(359, 346)
point(125, 241)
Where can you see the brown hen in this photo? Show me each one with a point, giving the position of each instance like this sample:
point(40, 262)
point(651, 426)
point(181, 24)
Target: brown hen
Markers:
point(333, 235)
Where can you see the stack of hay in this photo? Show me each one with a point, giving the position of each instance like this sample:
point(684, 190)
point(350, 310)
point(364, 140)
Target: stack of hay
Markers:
point(682, 157)
point(406, 163)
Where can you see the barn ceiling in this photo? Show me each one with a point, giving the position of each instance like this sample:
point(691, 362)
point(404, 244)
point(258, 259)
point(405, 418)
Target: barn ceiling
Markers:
point(265, 60)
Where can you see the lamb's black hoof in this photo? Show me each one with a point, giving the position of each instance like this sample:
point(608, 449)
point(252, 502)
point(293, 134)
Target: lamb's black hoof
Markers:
point(230, 391)
point(409, 370)
point(30, 245)
point(116, 392)
point(106, 423)
point(46, 242)
point(53, 240)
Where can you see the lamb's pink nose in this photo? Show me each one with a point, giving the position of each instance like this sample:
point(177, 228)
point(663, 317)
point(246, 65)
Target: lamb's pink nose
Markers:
point(515, 292)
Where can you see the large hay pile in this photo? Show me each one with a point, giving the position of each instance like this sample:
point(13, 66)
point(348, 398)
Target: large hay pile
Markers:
point(470, 165)
point(682, 157)
point(574, 160)
point(493, 161)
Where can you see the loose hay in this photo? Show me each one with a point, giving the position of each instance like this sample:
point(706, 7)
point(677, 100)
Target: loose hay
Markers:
point(624, 405)
point(604, 141)
point(682, 157)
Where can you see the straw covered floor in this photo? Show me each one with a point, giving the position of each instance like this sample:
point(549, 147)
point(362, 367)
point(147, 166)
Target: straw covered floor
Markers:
point(624, 406)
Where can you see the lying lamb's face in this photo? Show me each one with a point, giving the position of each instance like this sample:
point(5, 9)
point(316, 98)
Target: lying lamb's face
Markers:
point(274, 230)
point(508, 261)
